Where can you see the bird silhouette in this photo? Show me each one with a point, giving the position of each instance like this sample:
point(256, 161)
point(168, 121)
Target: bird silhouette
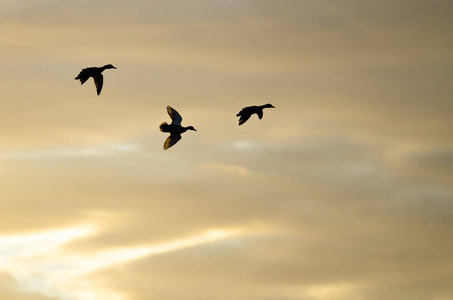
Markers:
point(248, 111)
point(175, 129)
point(95, 73)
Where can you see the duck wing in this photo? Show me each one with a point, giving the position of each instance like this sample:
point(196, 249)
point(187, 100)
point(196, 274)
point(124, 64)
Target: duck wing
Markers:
point(259, 112)
point(245, 115)
point(83, 76)
point(171, 140)
point(174, 115)
point(83, 79)
point(98, 82)
point(243, 119)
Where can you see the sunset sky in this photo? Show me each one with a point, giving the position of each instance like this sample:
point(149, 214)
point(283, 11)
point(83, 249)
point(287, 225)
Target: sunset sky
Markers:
point(343, 191)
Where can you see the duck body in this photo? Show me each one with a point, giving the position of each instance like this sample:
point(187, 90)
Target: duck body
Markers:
point(96, 74)
point(248, 111)
point(175, 129)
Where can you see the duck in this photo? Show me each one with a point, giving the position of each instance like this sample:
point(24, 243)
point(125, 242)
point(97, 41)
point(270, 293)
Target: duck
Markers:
point(248, 111)
point(96, 73)
point(175, 129)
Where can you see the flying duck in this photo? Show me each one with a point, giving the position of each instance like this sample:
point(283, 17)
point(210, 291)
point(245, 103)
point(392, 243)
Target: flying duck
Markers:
point(175, 129)
point(94, 72)
point(246, 112)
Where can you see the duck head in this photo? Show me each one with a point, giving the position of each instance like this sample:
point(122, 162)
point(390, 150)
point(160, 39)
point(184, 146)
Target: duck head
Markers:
point(109, 66)
point(268, 106)
point(190, 128)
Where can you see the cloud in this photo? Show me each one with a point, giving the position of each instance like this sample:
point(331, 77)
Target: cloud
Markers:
point(342, 191)
point(50, 271)
point(109, 149)
point(234, 169)
point(11, 289)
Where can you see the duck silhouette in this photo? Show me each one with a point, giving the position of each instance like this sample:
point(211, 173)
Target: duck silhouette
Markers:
point(175, 129)
point(96, 73)
point(248, 111)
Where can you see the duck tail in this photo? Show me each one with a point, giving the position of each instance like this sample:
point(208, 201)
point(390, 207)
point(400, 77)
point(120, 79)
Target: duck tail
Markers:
point(163, 126)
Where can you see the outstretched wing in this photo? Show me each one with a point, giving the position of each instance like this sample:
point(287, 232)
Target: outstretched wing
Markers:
point(174, 115)
point(259, 112)
point(83, 76)
point(98, 82)
point(171, 140)
point(244, 118)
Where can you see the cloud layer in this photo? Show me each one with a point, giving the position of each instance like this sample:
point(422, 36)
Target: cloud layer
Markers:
point(343, 191)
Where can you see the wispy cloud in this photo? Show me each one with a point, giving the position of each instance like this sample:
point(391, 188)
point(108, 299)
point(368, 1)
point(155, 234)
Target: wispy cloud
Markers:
point(227, 168)
point(351, 171)
point(243, 145)
point(38, 263)
point(108, 149)
point(341, 290)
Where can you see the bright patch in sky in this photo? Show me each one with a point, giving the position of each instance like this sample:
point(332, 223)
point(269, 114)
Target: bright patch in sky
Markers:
point(332, 291)
point(227, 168)
point(243, 145)
point(39, 265)
point(108, 149)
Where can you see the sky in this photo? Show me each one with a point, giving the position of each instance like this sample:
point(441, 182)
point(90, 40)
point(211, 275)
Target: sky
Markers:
point(343, 191)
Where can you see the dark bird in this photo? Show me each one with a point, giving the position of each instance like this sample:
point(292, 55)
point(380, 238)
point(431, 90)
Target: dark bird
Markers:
point(94, 72)
point(175, 129)
point(247, 112)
